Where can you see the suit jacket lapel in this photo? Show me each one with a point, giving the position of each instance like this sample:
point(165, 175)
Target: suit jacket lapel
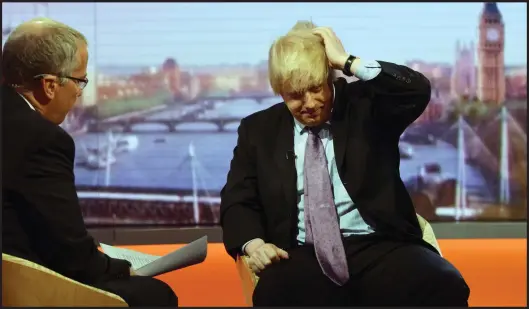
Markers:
point(339, 124)
point(284, 159)
point(347, 127)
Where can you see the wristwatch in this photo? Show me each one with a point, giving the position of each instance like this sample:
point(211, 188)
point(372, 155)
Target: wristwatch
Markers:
point(347, 67)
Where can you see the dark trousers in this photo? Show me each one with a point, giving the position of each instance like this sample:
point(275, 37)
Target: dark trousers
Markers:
point(140, 291)
point(383, 273)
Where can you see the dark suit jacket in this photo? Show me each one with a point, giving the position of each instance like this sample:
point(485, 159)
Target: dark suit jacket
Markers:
point(259, 198)
point(41, 217)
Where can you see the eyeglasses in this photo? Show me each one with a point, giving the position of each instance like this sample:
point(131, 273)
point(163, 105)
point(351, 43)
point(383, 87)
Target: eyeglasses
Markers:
point(81, 82)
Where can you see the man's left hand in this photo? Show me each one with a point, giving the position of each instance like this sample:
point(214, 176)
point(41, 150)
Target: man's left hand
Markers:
point(333, 47)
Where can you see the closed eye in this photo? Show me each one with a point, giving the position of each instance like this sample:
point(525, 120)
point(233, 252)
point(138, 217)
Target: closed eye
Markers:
point(315, 89)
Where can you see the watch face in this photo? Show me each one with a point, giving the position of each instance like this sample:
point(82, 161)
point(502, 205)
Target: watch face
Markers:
point(493, 34)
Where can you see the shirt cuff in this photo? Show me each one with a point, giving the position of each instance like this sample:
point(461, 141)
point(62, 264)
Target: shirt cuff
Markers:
point(244, 247)
point(365, 69)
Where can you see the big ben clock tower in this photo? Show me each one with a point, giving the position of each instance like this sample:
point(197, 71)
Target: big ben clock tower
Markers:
point(491, 71)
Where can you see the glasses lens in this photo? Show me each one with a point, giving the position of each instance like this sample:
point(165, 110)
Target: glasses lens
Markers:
point(82, 84)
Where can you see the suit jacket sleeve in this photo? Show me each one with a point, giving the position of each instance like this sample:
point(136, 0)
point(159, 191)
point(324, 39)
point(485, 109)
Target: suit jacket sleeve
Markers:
point(241, 212)
point(400, 95)
point(54, 211)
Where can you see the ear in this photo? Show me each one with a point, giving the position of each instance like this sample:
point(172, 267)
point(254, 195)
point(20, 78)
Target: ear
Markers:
point(49, 86)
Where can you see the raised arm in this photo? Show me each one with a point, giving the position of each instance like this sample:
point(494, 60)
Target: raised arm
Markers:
point(242, 217)
point(53, 212)
point(400, 94)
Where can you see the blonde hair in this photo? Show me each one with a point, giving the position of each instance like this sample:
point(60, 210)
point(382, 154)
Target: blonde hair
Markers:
point(297, 60)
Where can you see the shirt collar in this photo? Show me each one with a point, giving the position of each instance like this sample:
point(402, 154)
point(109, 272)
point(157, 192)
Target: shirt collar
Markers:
point(298, 126)
point(23, 97)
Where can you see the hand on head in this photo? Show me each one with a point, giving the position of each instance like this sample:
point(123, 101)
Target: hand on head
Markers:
point(262, 254)
point(333, 47)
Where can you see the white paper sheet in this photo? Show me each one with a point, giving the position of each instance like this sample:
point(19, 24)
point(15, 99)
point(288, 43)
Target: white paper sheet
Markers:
point(137, 259)
point(152, 265)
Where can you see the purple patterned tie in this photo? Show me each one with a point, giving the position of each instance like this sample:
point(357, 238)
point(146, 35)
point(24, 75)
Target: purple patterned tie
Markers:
point(321, 220)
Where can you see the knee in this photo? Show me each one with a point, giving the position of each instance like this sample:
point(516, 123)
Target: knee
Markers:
point(266, 295)
point(459, 289)
point(167, 296)
point(173, 300)
point(451, 288)
point(270, 289)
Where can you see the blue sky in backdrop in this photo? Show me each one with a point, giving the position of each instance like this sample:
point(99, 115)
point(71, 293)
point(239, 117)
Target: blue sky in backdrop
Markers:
point(197, 34)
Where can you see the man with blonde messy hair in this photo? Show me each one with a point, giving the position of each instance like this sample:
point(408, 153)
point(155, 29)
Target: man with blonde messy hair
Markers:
point(44, 72)
point(314, 197)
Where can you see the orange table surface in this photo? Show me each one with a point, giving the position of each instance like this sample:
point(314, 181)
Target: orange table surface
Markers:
point(495, 270)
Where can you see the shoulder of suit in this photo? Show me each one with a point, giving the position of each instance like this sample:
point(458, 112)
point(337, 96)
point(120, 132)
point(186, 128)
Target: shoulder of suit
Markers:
point(32, 124)
point(352, 88)
point(267, 115)
point(33, 121)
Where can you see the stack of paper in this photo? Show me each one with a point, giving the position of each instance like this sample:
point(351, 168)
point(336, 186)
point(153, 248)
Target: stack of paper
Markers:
point(152, 265)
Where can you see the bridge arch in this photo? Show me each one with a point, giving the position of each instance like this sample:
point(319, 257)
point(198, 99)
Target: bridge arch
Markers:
point(148, 126)
point(191, 125)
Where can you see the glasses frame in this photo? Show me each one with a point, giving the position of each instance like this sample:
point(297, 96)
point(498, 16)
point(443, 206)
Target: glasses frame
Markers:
point(80, 82)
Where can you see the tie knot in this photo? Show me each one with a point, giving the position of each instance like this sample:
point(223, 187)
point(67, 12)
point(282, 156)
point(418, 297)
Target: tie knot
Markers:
point(316, 130)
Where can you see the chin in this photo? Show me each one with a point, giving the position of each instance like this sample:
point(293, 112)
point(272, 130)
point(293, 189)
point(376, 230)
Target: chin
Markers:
point(311, 122)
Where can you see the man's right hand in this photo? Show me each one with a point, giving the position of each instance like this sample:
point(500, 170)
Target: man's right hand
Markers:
point(262, 254)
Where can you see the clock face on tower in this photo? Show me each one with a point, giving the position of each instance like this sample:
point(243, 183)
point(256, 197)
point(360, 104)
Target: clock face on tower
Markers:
point(493, 34)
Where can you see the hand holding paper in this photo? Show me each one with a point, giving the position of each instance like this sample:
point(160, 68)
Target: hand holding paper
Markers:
point(152, 265)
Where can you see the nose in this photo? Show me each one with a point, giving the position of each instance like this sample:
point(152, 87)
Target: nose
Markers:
point(310, 103)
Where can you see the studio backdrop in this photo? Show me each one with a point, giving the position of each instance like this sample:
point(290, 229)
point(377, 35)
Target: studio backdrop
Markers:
point(169, 83)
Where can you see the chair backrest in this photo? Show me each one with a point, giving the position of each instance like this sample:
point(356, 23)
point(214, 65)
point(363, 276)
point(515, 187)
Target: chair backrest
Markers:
point(248, 278)
point(27, 284)
point(428, 235)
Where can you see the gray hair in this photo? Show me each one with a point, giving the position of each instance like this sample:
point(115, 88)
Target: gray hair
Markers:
point(40, 46)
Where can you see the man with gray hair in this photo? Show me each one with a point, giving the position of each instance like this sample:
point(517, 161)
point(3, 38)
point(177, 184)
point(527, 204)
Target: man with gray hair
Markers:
point(44, 66)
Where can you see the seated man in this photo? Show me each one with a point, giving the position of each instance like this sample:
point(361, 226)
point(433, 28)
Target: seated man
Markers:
point(314, 196)
point(44, 69)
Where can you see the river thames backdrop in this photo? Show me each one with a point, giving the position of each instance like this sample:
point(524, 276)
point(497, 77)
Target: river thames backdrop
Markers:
point(169, 83)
